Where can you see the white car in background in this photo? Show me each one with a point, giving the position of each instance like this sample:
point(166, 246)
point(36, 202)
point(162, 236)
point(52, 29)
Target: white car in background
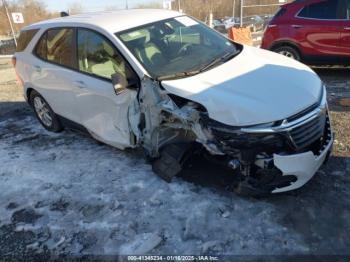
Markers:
point(231, 22)
point(165, 82)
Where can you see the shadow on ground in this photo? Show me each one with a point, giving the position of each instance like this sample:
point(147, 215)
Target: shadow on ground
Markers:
point(14, 110)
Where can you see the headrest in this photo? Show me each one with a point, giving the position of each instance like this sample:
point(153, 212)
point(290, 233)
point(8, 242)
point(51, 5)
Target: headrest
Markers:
point(108, 48)
point(137, 36)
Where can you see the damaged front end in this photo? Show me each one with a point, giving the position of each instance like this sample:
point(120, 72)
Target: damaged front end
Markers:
point(281, 156)
point(270, 158)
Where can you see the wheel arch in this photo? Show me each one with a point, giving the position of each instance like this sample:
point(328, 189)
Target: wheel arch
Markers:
point(28, 91)
point(286, 43)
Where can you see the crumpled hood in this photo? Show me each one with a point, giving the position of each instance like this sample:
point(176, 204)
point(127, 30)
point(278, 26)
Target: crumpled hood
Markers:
point(255, 87)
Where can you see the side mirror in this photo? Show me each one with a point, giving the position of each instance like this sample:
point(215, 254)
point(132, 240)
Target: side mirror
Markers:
point(120, 83)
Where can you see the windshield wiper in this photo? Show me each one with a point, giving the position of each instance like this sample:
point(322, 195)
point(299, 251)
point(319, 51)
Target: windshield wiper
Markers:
point(217, 60)
point(178, 75)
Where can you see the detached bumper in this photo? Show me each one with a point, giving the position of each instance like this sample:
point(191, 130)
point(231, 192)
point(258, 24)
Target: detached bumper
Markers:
point(303, 166)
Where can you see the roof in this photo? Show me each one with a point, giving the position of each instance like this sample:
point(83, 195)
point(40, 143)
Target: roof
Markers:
point(112, 21)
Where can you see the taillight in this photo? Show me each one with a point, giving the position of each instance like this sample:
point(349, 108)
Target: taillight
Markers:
point(19, 79)
point(14, 60)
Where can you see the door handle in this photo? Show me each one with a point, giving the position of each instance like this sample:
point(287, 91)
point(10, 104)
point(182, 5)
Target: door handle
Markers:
point(37, 68)
point(80, 84)
point(297, 26)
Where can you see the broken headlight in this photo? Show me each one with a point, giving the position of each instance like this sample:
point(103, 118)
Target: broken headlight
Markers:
point(234, 138)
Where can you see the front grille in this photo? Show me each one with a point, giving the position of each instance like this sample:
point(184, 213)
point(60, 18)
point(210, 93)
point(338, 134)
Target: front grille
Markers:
point(307, 133)
point(303, 113)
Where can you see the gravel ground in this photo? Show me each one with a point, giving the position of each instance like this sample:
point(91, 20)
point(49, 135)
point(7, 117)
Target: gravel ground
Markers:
point(66, 194)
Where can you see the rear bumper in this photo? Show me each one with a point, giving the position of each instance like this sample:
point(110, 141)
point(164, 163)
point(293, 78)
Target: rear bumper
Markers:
point(303, 166)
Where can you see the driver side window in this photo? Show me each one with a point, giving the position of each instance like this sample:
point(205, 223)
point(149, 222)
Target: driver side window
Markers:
point(97, 56)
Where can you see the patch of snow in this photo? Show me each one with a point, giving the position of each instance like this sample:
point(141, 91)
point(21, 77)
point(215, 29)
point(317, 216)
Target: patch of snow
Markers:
point(90, 198)
point(141, 244)
point(210, 246)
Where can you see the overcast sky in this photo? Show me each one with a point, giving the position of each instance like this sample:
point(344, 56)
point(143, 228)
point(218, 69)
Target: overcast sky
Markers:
point(94, 5)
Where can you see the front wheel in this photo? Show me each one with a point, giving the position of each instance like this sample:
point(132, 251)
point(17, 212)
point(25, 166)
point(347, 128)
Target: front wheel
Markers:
point(44, 113)
point(288, 51)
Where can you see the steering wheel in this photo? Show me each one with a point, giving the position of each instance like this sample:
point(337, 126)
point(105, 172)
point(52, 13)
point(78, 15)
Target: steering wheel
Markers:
point(184, 48)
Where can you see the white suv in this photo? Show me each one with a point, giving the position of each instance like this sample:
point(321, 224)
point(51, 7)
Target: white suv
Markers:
point(168, 83)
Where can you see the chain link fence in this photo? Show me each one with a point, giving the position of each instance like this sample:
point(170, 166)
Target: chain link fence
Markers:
point(7, 47)
point(254, 14)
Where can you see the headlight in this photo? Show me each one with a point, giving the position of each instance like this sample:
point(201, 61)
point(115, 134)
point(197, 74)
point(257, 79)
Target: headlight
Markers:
point(234, 137)
point(323, 96)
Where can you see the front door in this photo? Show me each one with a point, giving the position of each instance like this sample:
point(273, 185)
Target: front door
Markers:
point(103, 111)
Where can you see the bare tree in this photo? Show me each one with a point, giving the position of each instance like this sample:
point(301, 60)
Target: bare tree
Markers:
point(32, 10)
point(153, 5)
point(75, 8)
point(113, 8)
point(221, 8)
point(35, 10)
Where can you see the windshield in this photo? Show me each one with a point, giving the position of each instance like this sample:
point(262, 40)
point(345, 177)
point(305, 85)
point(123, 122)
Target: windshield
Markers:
point(177, 47)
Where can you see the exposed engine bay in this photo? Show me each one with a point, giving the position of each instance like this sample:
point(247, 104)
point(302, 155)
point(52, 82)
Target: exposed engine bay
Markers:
point(170, 128)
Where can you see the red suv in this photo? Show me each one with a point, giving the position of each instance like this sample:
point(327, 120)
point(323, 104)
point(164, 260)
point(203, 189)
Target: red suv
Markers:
point(313, 31)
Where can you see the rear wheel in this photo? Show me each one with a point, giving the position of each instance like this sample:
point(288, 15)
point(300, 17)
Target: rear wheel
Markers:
point(44, 113)
point(288, 51)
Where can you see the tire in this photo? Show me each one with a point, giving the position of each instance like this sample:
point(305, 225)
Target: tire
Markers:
point(44, 113)
point(288, 51)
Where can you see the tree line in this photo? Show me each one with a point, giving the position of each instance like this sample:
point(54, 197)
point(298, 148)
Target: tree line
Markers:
point(224, 8)
point(36, 10)
point(33, 11)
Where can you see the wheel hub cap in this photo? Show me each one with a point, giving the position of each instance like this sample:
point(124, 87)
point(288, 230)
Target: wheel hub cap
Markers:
point(287, 54)
point(42, 110)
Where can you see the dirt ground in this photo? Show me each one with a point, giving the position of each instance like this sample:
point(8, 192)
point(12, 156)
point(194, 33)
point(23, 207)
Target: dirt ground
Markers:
point(65, 194)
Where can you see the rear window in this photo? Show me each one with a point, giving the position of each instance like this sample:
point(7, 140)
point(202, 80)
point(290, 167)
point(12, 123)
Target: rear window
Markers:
point(344, 9)
point(280, 12)
point(57, 46)
point(41, 47)
point(322, 10)
point(24, 38)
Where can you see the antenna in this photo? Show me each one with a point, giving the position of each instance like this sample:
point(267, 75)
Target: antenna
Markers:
point(63, 14)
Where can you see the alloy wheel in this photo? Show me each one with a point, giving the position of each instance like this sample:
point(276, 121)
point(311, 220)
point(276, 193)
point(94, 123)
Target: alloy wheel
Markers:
point(287, 54)
point(43, 111)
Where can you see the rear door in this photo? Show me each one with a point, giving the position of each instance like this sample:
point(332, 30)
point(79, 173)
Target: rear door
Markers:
point(318, 28)
point(101, 110)
point(52, 69)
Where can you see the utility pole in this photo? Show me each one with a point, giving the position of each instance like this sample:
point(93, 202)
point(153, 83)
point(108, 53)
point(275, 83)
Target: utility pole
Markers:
point(241, 22)
point(10, 22)
point(179, 5)
point(211, 14)
point(233, 8)
point(126, 4)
